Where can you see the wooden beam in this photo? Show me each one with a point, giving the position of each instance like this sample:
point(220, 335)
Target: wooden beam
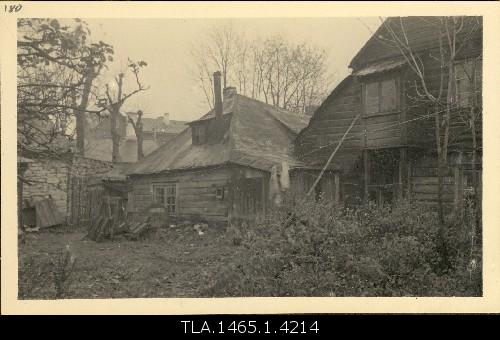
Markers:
point(337, 188)
point(459, 188)
point(366, 170)
point(402, 173)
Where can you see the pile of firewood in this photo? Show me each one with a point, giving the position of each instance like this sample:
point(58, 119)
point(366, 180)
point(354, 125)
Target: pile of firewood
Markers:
point(138, 230)
point(106, 227)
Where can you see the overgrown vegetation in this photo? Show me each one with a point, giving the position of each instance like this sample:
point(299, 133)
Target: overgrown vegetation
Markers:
point(317, 249)
point(48, 275)
point(308, 249)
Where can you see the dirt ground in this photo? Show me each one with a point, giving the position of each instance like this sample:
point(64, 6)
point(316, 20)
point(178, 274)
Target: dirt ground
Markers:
point(171, 263)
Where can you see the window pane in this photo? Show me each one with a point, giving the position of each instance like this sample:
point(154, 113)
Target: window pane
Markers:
point(388, 95)
point(171, 198)
point(371, 98)
point(159, 195)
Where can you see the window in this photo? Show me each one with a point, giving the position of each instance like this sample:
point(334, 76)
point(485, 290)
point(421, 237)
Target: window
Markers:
point(468, 78)
point(166, 195)
point(219, 193)
point(380, 96)
point(159, 195)
point(199, 134)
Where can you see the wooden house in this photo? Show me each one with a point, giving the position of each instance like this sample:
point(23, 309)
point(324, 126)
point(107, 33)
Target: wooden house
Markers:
point(221, 167)
point(390, 151)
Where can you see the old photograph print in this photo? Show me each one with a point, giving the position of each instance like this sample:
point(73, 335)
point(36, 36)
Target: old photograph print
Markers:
point(318, 157)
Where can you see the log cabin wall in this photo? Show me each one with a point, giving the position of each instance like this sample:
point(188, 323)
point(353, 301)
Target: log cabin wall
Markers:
point(403, 128)
point(315, 144)
point(228, 191)
point(200, 193)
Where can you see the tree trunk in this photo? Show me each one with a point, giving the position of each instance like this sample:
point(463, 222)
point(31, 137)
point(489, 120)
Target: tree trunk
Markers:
point(140, 139)
point(80, 114)
point(115, 137)
point(475, 174)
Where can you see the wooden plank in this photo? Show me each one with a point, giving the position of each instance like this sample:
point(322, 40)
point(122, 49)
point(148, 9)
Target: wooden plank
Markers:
point(384, 142)
point(432, 197)
point(432, 189)
point(203, 211)
point(431, 180)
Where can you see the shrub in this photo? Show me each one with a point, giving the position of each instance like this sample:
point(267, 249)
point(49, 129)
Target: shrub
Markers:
point(46, 277)
point(320, 249)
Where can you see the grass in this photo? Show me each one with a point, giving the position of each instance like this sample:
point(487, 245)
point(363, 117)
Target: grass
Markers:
point(172, 263)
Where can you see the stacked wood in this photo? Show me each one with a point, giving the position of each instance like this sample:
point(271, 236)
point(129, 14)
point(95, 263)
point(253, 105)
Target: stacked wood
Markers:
point(105, 228)
point(139, 229)
point(101, 229)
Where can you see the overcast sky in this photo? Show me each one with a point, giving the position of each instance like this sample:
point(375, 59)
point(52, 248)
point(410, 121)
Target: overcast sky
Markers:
point(165, 45)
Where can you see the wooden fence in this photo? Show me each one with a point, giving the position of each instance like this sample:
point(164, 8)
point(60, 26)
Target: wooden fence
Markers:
point(85, 201)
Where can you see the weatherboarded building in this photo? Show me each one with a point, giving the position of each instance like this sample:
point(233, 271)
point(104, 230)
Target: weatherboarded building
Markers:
point(223, 166)
point(390, 151)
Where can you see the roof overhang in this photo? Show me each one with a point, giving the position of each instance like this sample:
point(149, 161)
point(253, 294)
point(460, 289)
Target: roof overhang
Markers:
point(380, 67)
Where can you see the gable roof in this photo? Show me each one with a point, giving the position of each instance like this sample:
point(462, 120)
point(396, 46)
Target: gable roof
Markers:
point(421, 32)
point(259, 136)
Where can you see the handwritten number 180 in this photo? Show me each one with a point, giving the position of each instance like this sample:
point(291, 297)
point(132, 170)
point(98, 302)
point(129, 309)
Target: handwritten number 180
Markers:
point(13, 8)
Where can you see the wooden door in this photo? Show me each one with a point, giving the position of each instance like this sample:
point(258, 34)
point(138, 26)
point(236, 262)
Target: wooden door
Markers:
point(248, 198)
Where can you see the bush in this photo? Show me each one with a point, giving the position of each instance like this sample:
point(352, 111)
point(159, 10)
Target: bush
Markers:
point(319, 249)
point(47, 277)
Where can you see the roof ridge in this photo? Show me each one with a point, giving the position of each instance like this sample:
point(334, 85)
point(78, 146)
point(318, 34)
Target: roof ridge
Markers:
point(276, 108)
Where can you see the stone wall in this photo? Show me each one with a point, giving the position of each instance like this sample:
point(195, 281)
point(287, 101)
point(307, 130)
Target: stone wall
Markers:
point(52, 177)
point(47, 177)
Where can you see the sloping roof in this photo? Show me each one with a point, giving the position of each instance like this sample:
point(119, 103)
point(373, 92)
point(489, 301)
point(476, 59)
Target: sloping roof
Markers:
point(101, 149)
point(117, 173)
point(421, 32)
point(260, 136)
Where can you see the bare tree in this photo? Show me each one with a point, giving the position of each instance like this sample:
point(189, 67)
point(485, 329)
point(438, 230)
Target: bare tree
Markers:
point(138, 129)
point(219, 50)
point(291, 76)
point(115, 100)
point(274, 70)
point(453, 34)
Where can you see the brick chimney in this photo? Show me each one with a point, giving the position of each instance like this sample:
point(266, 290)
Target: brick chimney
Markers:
point(229, 92)
point(217, 95)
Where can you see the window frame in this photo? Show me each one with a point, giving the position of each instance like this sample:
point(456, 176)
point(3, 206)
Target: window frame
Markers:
point(379, 80)
point(222, 195)
point(165, 197)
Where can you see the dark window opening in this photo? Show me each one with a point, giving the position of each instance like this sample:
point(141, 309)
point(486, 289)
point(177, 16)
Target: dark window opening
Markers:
point(380, 96)
point(199, 134)
point(219, 193)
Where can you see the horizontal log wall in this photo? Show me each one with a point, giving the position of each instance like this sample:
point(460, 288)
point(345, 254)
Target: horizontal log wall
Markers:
point(329, 124)
point(196, 193)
